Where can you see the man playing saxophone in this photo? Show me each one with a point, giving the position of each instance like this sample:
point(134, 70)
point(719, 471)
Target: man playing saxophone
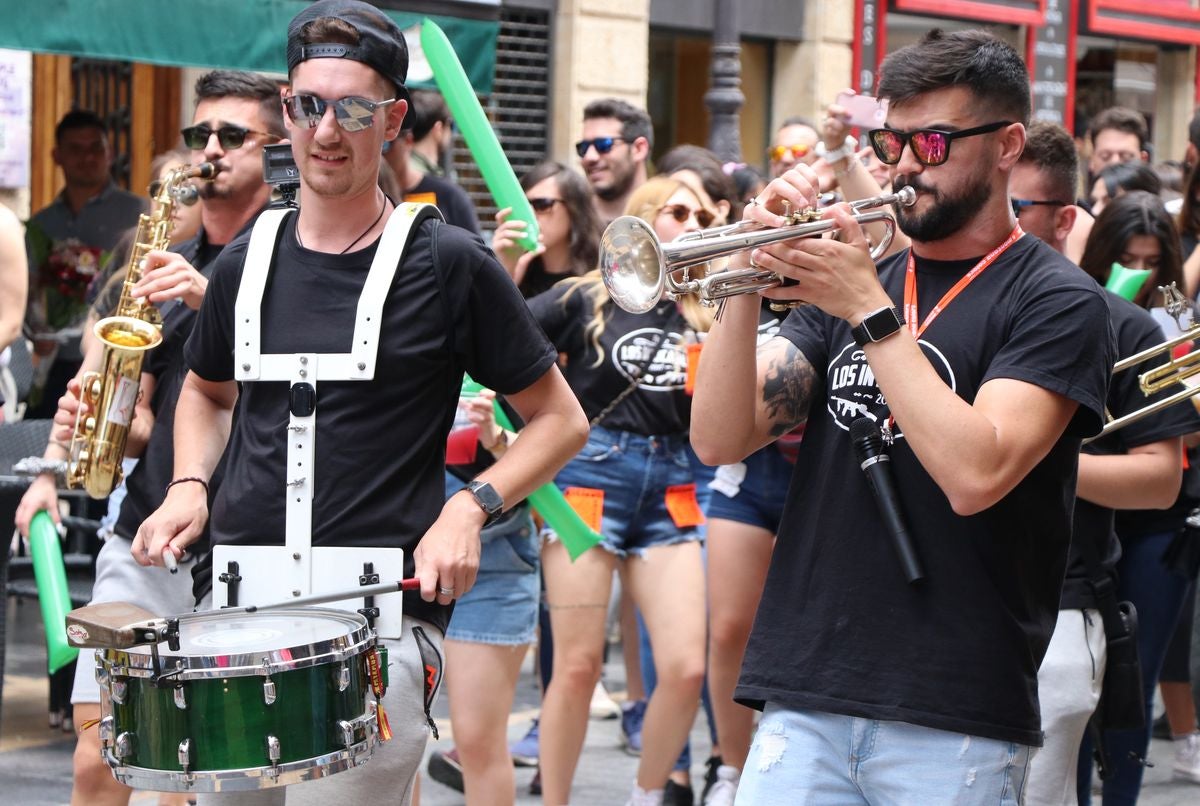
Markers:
point(236, 114)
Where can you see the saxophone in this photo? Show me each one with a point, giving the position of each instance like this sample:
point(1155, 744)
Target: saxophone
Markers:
point(98, 443)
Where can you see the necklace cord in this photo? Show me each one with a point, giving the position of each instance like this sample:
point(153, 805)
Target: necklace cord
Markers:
point(382, 210)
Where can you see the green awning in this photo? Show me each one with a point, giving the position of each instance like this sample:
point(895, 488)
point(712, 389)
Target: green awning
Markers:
point(234, 34)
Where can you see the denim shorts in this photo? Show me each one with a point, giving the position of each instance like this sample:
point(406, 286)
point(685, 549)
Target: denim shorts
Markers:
point(825, 759)
point(752, 491)
point(502, 606)
point(634, 472)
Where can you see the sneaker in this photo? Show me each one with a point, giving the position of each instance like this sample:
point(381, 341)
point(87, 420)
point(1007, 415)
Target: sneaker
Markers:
point(632, 714)
point(1187, 758)
point(677, 794)
point(724, 789)
point(446, 769)
point(603, 706)
point(1162, 728)
point(524, 751)
point(535, 786)
point(710, 776)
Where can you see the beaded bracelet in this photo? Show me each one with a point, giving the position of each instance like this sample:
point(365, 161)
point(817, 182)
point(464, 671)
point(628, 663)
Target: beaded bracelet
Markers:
point(196, 479)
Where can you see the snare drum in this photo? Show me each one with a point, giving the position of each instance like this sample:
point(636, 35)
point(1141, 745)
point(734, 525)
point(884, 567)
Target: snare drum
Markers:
point(250, 700)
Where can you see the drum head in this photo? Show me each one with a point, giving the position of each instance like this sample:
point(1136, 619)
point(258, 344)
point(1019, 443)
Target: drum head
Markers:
point(219, 643)
point(269, 631)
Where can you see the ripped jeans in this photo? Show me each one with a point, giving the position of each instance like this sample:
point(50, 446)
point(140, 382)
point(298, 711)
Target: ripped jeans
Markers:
point(811, 757)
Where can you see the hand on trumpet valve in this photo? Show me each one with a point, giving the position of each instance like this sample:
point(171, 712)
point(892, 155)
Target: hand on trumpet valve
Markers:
point(836, 275)
point(798, 189)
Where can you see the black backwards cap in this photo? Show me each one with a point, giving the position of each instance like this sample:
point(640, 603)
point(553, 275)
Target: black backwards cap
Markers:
point(381, 44)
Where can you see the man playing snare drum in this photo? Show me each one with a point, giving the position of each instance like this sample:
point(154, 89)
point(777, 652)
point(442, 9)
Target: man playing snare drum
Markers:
point(373, 477)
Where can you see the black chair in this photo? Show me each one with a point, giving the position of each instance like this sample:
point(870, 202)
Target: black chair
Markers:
point(17, 441)
point(18, 379)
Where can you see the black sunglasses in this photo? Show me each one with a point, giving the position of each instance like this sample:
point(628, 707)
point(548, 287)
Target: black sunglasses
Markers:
point(1020, 204)
point(352, 113)
point(229, 136)
point(929, 146)
point(681, 212)
point(603, 145)
point(542, 204)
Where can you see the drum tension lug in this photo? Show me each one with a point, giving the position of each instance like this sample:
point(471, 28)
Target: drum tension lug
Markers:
point(268, 684)
point(274, 755)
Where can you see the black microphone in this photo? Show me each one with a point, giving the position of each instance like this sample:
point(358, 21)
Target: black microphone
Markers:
point(876, 464)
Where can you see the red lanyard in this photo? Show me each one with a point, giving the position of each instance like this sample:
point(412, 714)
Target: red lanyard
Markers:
point(910, 285)
point(910, 297)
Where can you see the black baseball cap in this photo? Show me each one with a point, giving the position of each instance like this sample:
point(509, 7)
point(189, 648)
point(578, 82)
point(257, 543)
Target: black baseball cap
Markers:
point(381, 44)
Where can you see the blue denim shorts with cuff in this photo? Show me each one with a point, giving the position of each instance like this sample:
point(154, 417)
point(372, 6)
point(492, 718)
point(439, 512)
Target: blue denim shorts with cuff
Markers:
point(634, 472)
point(753, 490)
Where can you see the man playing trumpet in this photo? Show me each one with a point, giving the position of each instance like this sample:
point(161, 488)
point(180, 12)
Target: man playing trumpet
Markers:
point(985, 356)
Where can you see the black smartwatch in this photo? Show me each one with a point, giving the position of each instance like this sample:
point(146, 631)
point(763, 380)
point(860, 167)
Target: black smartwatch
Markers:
point(488, 499)
point(877, 326)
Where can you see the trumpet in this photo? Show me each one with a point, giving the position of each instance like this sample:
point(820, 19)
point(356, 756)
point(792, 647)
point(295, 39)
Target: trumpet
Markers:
point(1173, 371)
point(638, 270)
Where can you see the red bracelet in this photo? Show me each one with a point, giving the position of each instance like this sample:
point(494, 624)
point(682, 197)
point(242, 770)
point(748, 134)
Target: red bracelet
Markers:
point(196, 479)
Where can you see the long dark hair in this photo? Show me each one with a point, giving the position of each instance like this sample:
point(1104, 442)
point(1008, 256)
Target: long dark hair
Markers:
point(1189, 215)
point(577, 196)
point(1136, 212)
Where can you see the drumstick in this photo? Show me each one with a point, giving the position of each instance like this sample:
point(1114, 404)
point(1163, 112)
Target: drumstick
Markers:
point(169, 560)
point(412, 584)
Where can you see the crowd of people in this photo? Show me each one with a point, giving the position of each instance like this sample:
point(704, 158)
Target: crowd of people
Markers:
point(747, 560)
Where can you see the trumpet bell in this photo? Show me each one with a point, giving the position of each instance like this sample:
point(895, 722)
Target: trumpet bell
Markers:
point(631, 264)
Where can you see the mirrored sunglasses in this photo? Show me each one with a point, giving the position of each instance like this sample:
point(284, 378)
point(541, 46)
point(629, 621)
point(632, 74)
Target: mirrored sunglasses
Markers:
point(929, 146)
point(229, 136)
point(542, 204)
point(776, 153)
point(603, 145)
point(352, 113)
point(681, 213)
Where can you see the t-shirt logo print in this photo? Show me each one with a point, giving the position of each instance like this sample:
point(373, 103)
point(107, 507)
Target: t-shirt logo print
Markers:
point(853, 392)
point(665, 371)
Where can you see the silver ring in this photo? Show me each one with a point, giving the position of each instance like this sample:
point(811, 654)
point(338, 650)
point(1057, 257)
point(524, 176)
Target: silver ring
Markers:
point(754, 202)
point(445, 591)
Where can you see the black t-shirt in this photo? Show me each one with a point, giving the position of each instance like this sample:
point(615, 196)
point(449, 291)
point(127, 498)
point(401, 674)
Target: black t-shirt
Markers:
point(537, 280)
point(838, 628)
point(380, 444)
point(453, 202)
point(146, 485)
point(659, 405)
point(1136, 330)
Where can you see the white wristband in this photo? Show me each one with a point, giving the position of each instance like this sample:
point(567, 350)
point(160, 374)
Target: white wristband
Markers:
point(847, 149)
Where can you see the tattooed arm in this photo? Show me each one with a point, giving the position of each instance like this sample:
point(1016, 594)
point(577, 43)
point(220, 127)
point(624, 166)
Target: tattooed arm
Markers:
point(742, 404)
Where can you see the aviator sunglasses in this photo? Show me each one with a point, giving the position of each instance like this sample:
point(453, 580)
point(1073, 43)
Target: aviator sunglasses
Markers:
point(681, 212)
point(603, 145)
point(929, 146)
point(352, 113)
point(229, 136)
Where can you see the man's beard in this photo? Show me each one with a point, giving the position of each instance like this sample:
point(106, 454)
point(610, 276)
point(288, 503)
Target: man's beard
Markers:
point(622, 183)
point(948, 215)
